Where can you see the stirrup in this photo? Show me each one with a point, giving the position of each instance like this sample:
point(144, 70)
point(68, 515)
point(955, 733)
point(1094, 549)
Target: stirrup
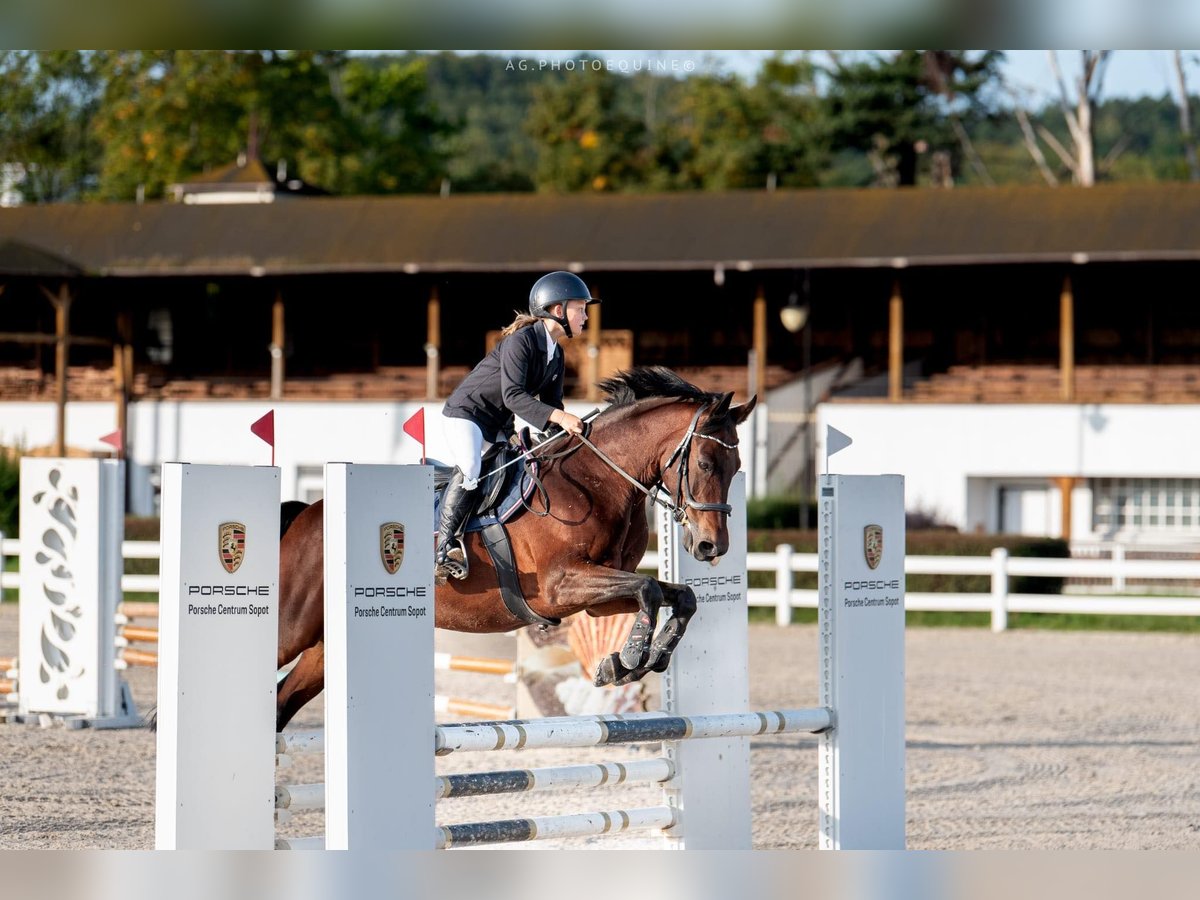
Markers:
point(450, 566)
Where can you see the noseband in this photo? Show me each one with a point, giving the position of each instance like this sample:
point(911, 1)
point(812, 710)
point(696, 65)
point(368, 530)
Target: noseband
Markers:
point(683, 490)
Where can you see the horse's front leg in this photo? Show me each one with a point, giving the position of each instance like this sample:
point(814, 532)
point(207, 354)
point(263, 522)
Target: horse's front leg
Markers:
point(594, 585)
point(682, 600)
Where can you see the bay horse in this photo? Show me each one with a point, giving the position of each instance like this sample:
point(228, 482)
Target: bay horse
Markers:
point(659, 431)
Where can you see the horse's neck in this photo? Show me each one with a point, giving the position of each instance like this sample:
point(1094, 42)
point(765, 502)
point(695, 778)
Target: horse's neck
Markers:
point(640, 442)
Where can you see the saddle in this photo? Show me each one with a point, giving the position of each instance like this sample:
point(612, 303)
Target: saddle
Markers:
point(503, 491)
point(503, 488)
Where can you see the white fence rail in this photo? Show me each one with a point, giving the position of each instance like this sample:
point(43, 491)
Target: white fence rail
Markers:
point(999, 567)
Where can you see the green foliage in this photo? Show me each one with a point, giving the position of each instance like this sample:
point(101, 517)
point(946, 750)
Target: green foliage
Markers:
point(894, 108)
point(720, 133)
point(10, 491)
point(99, 124)
point(47, 100)
point(587, 137)
point(345, 126)
point(775, 513)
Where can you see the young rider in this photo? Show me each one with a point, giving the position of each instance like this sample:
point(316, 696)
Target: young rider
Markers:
point(522, 376)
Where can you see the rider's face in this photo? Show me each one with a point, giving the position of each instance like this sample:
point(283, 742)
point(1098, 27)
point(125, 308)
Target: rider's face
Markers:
point(576, 314)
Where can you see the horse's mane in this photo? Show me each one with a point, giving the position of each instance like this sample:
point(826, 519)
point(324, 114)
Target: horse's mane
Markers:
point(629, 388)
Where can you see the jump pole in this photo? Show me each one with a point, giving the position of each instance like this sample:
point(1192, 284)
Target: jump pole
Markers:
point(219, 589)
point(379, 681)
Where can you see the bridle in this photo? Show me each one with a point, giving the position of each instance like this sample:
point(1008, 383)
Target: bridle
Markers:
point(683, 489)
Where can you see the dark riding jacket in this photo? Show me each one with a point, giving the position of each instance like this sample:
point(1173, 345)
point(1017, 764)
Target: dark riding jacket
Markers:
point(514, 378)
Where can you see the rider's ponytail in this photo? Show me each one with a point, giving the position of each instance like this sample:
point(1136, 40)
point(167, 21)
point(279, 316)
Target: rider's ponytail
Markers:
point(523, 320)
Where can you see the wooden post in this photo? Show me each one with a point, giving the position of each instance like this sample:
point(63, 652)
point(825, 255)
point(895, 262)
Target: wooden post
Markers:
point(593, 348)
point(896, 344)
point(433, 343)
point(277, 345)
point(62, 327)
point(1066, 341)
point(1066, 485)
point(123, 377)
point(760, 343)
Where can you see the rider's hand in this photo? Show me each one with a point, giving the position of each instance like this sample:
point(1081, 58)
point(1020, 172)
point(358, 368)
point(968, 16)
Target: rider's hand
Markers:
point(566, 421)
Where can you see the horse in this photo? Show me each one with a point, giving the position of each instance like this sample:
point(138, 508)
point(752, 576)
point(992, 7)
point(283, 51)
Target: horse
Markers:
point(661, 439)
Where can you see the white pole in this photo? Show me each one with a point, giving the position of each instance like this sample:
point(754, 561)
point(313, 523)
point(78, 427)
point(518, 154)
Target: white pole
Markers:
point(999, 589)
point(218, 629)
point(379, 706)
point(861, 626)
point(783, 584)
point(709, 674)
point(70, 583)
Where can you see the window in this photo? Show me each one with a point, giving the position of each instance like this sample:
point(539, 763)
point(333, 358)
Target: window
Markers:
point(1147, 504)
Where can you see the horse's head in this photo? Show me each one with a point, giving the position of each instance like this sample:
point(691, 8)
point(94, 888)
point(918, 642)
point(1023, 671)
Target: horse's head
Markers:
point(707, 461)
point(697, 447)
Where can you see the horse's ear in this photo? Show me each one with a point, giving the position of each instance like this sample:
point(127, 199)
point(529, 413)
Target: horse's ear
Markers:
point(741, 413)
point(722, 406)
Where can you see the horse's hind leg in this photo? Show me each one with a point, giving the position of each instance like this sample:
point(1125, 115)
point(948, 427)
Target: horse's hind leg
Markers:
point(305, 681)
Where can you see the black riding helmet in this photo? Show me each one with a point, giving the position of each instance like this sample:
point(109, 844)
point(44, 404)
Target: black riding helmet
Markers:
point(557, 287)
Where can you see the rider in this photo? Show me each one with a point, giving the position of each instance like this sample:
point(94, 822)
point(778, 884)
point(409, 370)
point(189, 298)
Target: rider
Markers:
point(523, 375)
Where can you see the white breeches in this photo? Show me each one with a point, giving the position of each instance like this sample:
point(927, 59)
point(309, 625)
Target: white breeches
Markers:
point(466, 445)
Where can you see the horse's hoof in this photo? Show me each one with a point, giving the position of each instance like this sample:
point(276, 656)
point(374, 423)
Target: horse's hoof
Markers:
point(608, 670)
point(659, 664)
point(632, 657)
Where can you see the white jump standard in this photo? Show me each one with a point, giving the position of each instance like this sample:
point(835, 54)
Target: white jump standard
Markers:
point(379, 695)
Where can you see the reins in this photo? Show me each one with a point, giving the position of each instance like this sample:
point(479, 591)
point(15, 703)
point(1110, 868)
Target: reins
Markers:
point(681, 454)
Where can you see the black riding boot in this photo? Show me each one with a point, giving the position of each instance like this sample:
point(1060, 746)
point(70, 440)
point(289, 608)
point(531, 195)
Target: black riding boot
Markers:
point(457, 505)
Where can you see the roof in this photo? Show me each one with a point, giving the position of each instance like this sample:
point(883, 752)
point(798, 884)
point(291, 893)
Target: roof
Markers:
point(252, 174)
point(22, 259)
point(531, 232)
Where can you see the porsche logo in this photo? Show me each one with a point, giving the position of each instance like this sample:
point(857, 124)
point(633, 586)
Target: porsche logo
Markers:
point(391, 546)
point(873, 545)
point(231, 545)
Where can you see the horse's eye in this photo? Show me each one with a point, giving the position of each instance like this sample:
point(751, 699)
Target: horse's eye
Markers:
point(705, 465)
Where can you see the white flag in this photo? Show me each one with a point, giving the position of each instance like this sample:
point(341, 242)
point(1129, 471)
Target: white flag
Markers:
point(835, 441)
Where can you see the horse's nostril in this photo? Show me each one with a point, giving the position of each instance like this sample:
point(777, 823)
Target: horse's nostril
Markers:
point(706, 549)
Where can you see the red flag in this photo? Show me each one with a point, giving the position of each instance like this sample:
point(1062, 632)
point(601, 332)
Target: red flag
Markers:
point(114, 440)
point(415, 428)
point(264, 429)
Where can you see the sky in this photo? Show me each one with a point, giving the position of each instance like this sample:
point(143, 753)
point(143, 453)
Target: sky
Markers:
point(1131, 73)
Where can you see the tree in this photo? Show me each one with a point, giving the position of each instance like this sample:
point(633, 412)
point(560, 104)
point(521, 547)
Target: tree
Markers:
point(1184, 102)
point(586, 137)
point(348, 127)
point(716, 132)
point(896, 108)
point(396, 131)
point(46, 102)
point(1077, 113)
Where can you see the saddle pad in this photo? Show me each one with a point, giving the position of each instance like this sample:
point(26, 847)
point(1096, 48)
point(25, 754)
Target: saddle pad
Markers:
point(509, 506)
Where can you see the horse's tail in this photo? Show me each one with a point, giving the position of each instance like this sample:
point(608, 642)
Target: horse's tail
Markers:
point(288, 510)
point(151, 718)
